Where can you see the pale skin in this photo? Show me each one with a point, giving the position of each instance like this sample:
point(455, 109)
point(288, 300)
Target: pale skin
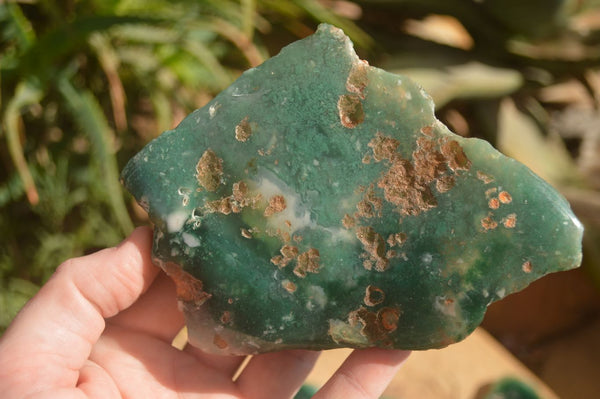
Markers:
point(102, 327)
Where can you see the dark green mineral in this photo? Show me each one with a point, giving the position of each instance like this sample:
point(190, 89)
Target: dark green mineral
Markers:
point(511, 388)
point(318, 203)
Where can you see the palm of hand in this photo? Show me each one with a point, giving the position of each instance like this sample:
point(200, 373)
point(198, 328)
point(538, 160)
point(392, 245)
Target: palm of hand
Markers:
point(102, 327)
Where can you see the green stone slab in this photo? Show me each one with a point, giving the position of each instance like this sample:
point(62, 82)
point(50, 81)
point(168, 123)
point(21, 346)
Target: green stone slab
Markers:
point(318, 203)
point(511, 388)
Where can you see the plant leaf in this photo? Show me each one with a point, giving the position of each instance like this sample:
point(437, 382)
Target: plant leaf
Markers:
point(88, 115)
point(27, 92)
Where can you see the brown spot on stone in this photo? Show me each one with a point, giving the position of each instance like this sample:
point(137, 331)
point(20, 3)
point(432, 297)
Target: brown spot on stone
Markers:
point(364, 209)
point(388, 318)
point(246, 233)
point(396, 239)
point(383, 147)
point(235, 202)
point(368, 264)
point(488, 223)
point(408, 183)
point(368, 320)
point(230, 301)
point(427, 131)
point(505, 197)
point(374, 245)
point(350, 110)
point(276, 204)
point(289, 251)
point(226, 317)
point(373, 296)
point(284, 235)
point(357, 78)
point(490, 191)
point(494, 203)
point(429, 163)
point(370, 205)
point(243, 131)
point(223, 205)
point(348, 221)
point(402, 188)
point(240, 190)
point(360, 189)
point(209, 170)
point(444, 183)
point(455, 156)
point(280, 261)
point(485, 178)
point(375, 326)
point(220, 342)
point(307, 262)
point(187, 287)
point(527, 267)
point(366, 159)
point(510, 221)
point(289, 286)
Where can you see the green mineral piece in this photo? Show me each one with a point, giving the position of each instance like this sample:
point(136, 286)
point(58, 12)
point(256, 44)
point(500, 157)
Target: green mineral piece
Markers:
point(318, 203)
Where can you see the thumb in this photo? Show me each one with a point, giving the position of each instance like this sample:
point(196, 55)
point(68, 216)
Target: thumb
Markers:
point(51, 338)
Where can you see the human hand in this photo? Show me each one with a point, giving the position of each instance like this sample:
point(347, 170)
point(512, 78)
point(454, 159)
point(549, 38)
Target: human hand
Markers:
point(102, 327)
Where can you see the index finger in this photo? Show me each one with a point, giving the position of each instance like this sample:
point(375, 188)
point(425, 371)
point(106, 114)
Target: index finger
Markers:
point(364, 374)
point(52, 336)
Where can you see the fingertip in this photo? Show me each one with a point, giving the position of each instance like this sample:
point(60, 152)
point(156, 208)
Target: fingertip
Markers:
point(364, 374)
point(279, 373)
point(387, 357)
point(135, 254)
point(141, 235)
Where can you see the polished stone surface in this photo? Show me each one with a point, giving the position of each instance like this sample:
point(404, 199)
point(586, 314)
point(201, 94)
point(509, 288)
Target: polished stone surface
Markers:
point(318, 203)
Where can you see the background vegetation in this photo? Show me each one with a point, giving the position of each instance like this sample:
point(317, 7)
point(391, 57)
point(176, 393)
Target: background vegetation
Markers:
point(86, 83)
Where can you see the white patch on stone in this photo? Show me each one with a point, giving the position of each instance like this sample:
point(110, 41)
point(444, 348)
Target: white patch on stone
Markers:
point(316, 297)
point(443, 305)
point(340, 234)
point(288, 318)
point(269, 186)
point(176, 220)
point(212, 110)
point(190, 240)
point(294, 213)
point(427, 258)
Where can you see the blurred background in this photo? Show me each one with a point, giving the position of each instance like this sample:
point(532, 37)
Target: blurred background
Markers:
point(86, 83)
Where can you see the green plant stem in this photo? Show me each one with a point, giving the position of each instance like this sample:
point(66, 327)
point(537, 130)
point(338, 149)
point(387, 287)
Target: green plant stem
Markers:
point(240, 40)
point(205, 56)
point(248, 11)
point(27, 93)
point(88, 115)
point(109, 61)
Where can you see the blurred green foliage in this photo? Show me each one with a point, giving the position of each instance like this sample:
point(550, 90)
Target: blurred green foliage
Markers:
point(86, 83)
